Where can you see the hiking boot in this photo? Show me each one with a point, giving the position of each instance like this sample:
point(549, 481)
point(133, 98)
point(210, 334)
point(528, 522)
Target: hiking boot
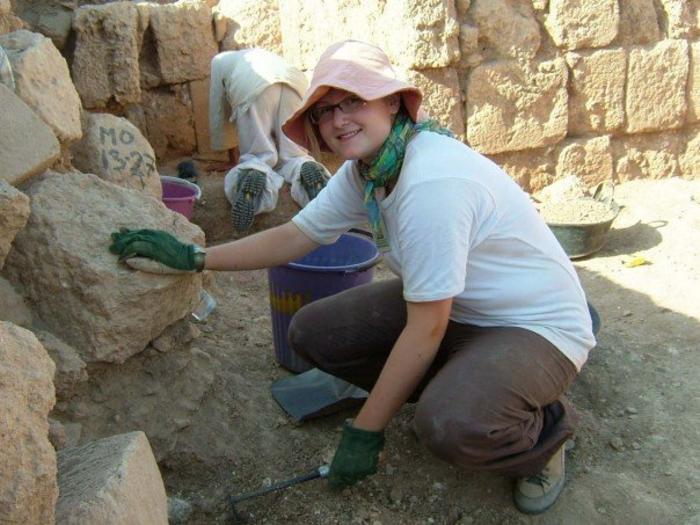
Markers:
point(251, 184)
point(313, 178)
point(535, 494)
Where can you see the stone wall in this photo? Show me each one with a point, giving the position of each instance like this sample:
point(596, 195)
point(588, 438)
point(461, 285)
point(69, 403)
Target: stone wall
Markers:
point(604, 89)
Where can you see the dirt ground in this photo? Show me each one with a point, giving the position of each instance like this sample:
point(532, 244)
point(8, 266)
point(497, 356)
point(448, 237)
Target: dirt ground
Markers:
point(216, 430)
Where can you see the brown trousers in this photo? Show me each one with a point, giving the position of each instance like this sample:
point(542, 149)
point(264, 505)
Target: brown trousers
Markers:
point(491, 400)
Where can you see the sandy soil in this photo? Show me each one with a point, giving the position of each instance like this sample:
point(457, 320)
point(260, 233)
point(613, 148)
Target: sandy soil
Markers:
point(217, 431)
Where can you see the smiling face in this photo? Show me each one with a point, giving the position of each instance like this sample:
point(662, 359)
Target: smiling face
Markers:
point(359, 134)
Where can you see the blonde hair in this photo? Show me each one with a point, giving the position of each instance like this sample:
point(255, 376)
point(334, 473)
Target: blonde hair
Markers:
point(310, 133)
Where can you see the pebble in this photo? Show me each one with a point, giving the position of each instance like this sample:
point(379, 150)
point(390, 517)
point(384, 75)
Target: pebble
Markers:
point(439, 486)
point(617, 444)
point(631, 410)
point(636, 446)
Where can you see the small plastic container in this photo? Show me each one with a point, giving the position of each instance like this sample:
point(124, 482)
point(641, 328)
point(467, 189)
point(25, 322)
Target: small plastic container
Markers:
point(326, 271)
point(179, 195)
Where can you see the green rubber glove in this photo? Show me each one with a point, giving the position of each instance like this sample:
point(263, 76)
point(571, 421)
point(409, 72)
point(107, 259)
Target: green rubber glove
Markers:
point(154, 244)
point(356, 457)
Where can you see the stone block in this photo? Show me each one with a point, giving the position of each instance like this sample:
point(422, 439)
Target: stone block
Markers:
point(13, 307)
point(250, 23)
point(639, 23)
point(590, 160)
point(531, 169)
point(165, 118)
point(28, 488)
point(115, 150)
point(575, 24)
point(27, 144)
point(102, 308)
point(681, 18)
point(690, 158)
point(596, 90)
point(442, 96)
point(694, 83)
point(199, 93)
point(427, 37)
point(43, 81)
point(656, 86)
point(70, 369)
point(52, 19)
point(112, 481)
point(14, 212)
point(513, 106)
point(106, 59)
point(509, 27)
point(648, 155)
point(184, 40)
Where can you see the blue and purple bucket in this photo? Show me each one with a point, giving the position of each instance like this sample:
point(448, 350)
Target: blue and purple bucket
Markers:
point(330, 269)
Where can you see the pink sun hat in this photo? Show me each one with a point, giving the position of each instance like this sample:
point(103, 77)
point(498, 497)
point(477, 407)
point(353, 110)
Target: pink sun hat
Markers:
point(357, 67)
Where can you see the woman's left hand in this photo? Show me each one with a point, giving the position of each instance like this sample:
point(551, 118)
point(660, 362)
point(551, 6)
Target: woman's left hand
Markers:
point(357, 456)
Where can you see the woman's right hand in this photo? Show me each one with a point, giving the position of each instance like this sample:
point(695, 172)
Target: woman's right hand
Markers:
point(154, 244)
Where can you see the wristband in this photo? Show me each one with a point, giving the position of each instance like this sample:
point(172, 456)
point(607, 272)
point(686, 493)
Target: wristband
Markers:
point(198, 256)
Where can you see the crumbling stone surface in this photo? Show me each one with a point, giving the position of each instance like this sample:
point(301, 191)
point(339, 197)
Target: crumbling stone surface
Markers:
point(88, 299)
point(681, 18)
point(575, 24)
point(639, 23)
point(13, 307)
point(590, 160)
point(513, 106)
point(689, 160)
point(106, 58)
point(597, 90)
point(70, 369)
point(694, 83)
point(427, 37)
point(531, 169)
point(111, 481)
point(27, 144)
point(442, 95)
point(28, 488)
point(249, 23)
point(648, 155)
point(115, 150)
point(656, 86)
point(508, 26)
point(184, 40)
point(43, 81)
point(14, 212)
point(165, 118)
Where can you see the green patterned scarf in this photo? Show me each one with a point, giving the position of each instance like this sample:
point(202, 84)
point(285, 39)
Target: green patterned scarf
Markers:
point(386, 166)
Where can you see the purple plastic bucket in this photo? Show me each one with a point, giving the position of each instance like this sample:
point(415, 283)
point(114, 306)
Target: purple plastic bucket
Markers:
point(179, 195)
point(326, 271)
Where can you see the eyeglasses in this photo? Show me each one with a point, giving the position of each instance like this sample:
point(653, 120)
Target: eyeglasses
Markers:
point(348, 105)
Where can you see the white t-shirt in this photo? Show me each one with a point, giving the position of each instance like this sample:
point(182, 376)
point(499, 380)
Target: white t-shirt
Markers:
point(459, 227)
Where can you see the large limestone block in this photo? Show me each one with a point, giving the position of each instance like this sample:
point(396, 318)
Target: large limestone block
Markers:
point(590, 160)
point(425, 36)
point(250, 23)
point(165, 118)
point(28, 489)
point(184, 40)
point(112, 481)
point(85, 297)
point(106, 58)
point(597, 90)
point(14, 212)
point(70, 369)
point(43, 81)
point(648, 155)
point(442, 96)
point(690, 158)
point(656, 86)
point(639, 23)
point(575, 24)
point(115, 150)
point(13, 307)
point(508, 26)
point(681, 18)
point(27, 144)
point(199, 93)
point(694, 83)
point(51, 18)
point(511, 106)
point(531, 169)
